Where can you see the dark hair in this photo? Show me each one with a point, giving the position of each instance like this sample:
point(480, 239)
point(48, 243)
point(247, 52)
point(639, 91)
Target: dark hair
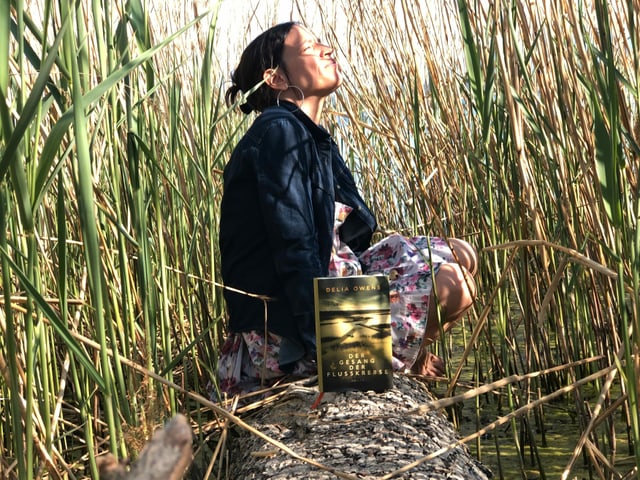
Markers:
point(264, 52)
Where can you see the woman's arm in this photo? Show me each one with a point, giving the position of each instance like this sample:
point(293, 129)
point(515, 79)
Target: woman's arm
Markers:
point(283, 168)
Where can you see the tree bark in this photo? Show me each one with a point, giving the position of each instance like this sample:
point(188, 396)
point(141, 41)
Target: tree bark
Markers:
point(166, 456)
point(354, 435)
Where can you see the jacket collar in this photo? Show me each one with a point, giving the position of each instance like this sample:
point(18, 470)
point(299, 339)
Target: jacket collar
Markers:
point(318, 132)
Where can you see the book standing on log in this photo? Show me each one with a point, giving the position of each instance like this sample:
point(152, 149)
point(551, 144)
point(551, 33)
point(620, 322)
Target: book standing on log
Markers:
point(353, 333)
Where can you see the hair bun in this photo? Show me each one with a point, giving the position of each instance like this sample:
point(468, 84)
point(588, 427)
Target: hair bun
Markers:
point(246, 108)
point(231, 94)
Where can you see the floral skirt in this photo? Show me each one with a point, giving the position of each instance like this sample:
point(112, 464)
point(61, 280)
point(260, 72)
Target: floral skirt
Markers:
point(410, 264)
point(249, 361)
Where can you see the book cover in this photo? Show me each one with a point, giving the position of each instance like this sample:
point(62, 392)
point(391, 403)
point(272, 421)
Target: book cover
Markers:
point(353, 333)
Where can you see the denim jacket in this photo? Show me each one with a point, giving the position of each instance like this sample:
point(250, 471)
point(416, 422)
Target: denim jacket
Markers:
point(276, 225)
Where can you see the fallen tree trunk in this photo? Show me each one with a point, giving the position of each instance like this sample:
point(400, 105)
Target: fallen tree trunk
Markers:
point(354, 435)
point(165, 457)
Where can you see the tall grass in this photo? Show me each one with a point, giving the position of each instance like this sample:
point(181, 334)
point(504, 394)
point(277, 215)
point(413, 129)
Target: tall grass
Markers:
point(515, 125)
point(511, 124)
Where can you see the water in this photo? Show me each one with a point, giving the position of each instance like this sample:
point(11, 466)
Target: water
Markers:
point(549, 441)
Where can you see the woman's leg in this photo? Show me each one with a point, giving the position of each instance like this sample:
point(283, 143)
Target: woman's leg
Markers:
point(454, 291)
point(466, 254)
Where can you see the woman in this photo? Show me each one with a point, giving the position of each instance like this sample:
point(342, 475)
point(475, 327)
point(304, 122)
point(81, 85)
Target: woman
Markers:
point(279, 226)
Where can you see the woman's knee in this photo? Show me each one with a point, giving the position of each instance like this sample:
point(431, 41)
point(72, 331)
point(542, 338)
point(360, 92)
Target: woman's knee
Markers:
point(466, 254)
point(455, 289)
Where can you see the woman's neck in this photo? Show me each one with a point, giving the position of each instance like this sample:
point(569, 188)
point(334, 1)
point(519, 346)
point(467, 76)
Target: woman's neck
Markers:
point(311, 106)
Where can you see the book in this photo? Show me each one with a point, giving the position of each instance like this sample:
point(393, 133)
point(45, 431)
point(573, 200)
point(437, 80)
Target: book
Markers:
point(353, 333)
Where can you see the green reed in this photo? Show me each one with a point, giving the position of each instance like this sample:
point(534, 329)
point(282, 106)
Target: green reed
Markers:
point(89, 325)
point(619, 205)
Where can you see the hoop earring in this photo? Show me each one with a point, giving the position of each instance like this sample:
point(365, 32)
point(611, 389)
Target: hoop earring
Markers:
point(296, 88)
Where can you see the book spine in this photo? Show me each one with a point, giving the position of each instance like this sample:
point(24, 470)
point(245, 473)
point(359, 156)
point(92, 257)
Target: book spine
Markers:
point(318, 332)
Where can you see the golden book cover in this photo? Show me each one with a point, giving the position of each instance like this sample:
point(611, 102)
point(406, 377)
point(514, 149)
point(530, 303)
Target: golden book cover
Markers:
point(353, 333)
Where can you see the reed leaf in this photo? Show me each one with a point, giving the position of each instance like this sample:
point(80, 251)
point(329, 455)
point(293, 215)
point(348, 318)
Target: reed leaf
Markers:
point(5, 116)
point(139, 21)
point(59, 130)
point(31, 106)
point(481, 83)
point(609, 159)
point(58, 324)
point(10, 160)
point(607, 153)
point(5, 32)
point(10, 344)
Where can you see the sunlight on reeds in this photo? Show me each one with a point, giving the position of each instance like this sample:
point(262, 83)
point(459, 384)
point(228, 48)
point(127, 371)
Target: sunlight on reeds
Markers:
point(512, 124)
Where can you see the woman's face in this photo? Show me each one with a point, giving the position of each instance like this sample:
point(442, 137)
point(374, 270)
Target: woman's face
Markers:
point(309, 64)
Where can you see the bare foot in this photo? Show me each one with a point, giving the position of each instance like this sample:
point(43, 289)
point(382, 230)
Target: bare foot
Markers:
point(428, 365)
